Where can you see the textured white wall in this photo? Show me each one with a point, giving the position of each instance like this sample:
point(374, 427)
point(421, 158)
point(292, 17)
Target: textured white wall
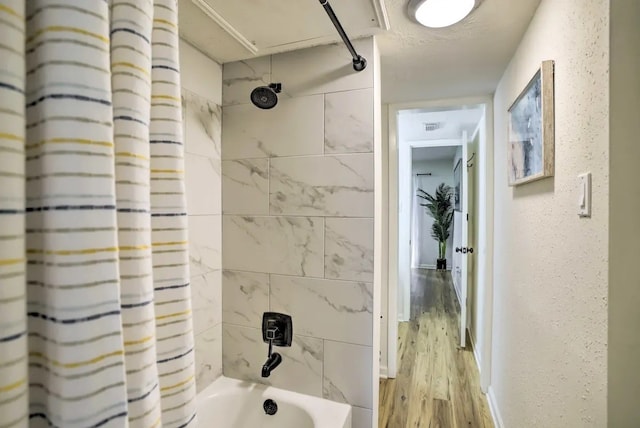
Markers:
point(201, 98)
point(549, 366)
point(624, 231)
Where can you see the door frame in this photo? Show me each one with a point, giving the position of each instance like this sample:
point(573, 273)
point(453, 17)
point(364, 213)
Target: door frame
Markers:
point(485, 227)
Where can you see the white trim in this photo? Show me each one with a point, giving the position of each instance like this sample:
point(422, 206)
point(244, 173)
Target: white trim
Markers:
point(432, 267)
point(458, 296)
point(383, 372)
point(377, 232)
point(495, 410)
point(381, 14)
point(392, 285)
point(224, 24)
point(475, 350)
point(486, 238)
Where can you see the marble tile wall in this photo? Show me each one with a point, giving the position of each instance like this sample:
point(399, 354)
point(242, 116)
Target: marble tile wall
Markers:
point(297, 223)
point(202, 127)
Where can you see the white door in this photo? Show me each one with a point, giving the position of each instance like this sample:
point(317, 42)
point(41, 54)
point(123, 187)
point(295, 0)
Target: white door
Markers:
point(466, 197)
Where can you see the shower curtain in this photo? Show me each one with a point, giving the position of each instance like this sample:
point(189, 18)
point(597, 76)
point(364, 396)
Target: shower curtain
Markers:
point(95, 306)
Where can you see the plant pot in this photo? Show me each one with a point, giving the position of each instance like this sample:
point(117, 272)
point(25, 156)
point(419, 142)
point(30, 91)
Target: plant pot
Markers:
point(441, 264)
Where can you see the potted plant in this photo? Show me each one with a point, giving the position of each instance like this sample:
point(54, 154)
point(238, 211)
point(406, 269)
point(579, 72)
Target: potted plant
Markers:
point(440, 208)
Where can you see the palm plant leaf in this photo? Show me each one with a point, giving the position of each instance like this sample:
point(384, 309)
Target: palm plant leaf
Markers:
point(440, 207)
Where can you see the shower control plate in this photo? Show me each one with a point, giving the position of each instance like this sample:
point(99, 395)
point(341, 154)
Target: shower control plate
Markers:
point(277, 328)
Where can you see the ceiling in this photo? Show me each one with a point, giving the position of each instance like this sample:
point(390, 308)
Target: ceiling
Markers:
point(422, 154)
point(465, 59)
point(449, 124)
point(417, 63)
point(232, 30)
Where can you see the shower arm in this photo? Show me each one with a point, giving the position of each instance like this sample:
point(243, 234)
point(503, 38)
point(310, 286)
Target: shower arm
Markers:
point(359, 62)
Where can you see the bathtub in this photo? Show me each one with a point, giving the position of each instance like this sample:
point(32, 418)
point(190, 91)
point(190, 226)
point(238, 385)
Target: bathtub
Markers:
point(231, 403)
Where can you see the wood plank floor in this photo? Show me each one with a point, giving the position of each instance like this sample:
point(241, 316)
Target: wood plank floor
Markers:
point(437, 383)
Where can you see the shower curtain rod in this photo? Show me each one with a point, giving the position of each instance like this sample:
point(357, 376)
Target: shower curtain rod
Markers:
point(359, 62)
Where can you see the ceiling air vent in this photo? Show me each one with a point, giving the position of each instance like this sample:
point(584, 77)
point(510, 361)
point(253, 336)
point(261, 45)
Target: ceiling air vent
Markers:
point(432, 126)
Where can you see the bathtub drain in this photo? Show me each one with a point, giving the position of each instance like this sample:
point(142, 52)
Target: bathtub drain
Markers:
point(270, 407)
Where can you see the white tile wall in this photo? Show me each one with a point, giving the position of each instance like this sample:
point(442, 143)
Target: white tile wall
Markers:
point(206, 291)
point(361, 417)
point(323, 69)
point(337, 185)
point(208, 353)
point(201, 100)
point(246, 186)
point(328, 309)
point(245, 296)
point(244, 354)
point(283, 245)
point(204, 185)
point(200, 74)
point(348, 249)
point(348, 122)
point(203, 127)
point(205, 243)
point(293, 128)
point(347, 373)
point(298, 187)
point(241, 77)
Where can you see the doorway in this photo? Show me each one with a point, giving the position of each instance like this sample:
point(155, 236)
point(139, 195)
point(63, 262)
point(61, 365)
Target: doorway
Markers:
point(473, 261)
point(431, 371)
point(434, 220)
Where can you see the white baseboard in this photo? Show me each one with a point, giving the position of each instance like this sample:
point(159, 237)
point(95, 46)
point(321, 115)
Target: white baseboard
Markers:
point(457, 293)
point(384, 372)
point(427, 266)
point(475, 350)
point(495, 411)
point(432, 267)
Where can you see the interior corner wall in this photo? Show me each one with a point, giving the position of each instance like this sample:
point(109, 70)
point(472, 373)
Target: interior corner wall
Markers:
point(549, 347)
point(201, 81)
point(624, 229)
point(298, 222)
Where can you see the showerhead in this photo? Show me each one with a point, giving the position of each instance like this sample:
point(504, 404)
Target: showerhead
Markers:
point(265, 97)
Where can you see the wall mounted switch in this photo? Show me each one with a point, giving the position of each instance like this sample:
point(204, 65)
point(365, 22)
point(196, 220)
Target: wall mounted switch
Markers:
point(584, 198)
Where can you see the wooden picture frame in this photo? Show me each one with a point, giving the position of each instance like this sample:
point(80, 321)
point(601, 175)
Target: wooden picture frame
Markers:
point(531, 133)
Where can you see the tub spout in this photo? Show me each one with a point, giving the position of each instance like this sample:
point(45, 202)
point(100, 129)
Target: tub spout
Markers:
point(273, 361)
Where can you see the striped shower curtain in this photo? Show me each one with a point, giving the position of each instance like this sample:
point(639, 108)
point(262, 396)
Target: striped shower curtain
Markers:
point(95, 309)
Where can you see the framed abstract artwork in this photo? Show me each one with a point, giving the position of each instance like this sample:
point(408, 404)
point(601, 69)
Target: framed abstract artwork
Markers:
point(531, 129)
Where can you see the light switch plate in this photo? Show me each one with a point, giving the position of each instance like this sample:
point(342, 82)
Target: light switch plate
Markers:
point(584, 195)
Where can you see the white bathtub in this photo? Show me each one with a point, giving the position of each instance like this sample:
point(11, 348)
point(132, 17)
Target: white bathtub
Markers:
point(231, 403)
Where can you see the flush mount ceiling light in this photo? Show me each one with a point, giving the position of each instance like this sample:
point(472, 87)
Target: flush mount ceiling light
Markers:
point(440, 13)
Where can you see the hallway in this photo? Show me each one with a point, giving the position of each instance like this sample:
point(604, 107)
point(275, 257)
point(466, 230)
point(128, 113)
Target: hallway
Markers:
point(437, 384)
